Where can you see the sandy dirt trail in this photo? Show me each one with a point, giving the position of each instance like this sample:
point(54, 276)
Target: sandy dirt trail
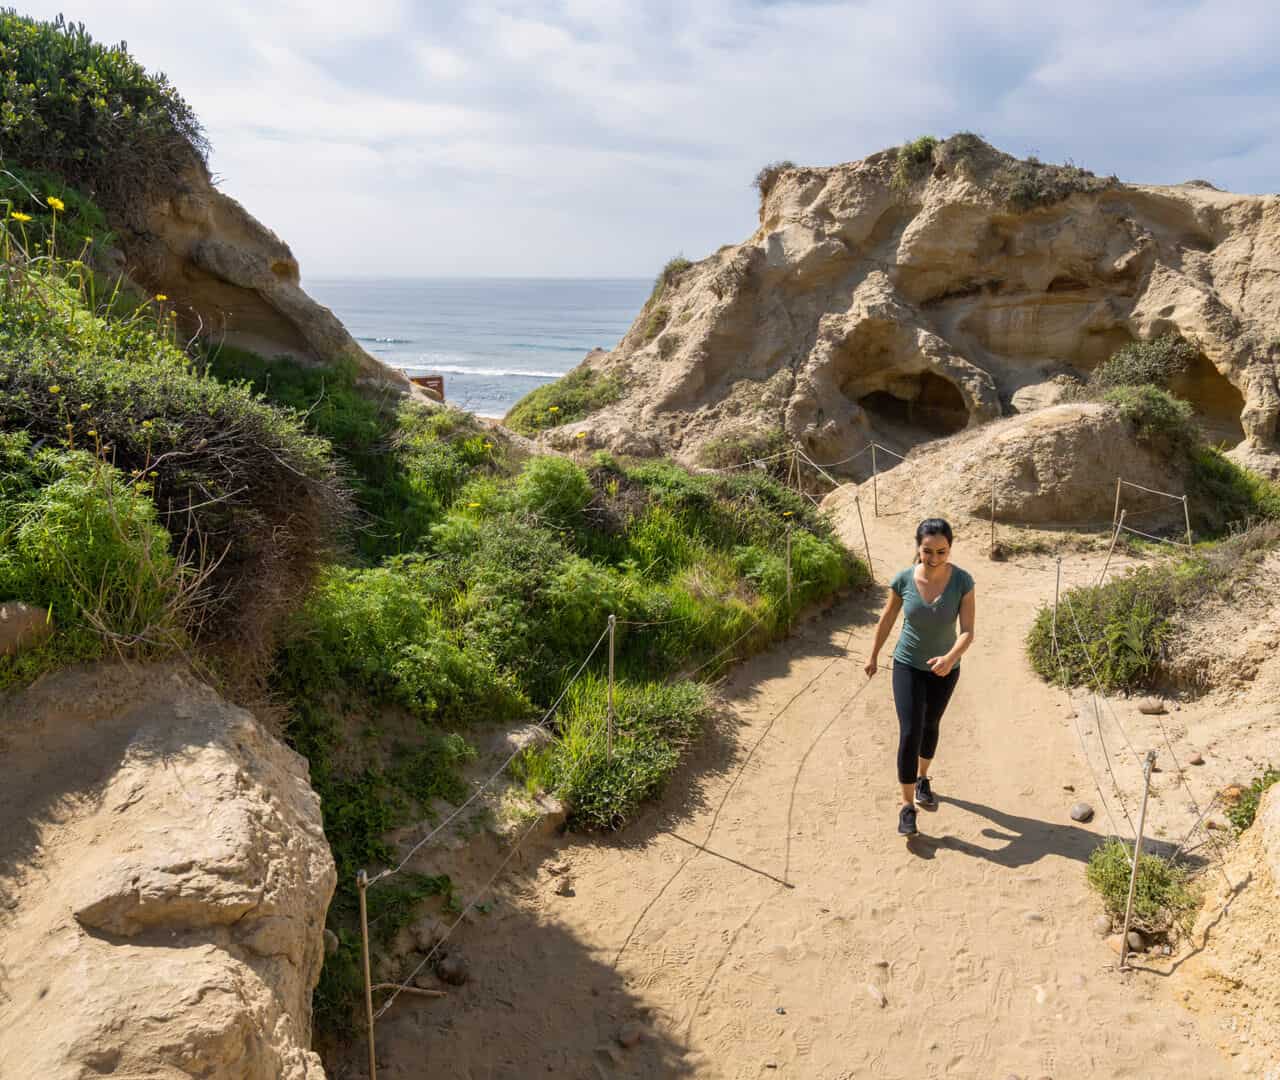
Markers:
point(808, 939)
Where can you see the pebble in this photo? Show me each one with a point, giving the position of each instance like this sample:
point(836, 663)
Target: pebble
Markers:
point(877, 995)
point(880, 963)
point(1102, 925)
point(1041, 996)
point(1197, 759)
point(1032, 916)
point(1151, 706)
point(629, 1035)
point(780, 1011)
point(1081, 811)
point(564, 887)
point(1213, 823)
point(453, 969)
point(1136, 942)
point(1068, 787)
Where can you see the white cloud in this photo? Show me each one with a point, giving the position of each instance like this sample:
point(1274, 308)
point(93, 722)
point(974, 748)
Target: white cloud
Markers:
point(602, 136)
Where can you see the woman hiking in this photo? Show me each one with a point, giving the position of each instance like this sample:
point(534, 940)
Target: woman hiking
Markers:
point(934, 594)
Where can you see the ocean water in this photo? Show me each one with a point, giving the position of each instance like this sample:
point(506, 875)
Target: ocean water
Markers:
point(492, 339)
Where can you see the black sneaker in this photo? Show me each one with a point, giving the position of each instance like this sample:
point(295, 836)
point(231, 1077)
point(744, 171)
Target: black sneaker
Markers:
point(907, 821)
point(924, 794)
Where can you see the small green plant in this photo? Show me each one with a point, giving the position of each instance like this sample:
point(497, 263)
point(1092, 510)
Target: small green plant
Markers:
point(1242, 812)
point(768, 175)
point(571, 397)
point(1164, 900)
point(1225, 496)
point(914, 159)
point(1030, 184)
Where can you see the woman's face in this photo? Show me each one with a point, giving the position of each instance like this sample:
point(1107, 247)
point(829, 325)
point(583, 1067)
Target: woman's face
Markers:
point(934, 550)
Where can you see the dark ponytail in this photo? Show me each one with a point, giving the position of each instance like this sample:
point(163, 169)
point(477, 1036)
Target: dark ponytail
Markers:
point(931, 527)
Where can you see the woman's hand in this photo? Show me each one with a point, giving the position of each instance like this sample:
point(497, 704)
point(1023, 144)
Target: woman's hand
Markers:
point(870, 668)
point(941, 665)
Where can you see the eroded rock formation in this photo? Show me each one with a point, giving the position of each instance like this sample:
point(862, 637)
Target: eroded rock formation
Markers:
point(163, 884)
point(872, 301)
point(230, 278)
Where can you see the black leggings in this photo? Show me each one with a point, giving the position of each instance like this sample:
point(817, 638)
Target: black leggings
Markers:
point(921, 698)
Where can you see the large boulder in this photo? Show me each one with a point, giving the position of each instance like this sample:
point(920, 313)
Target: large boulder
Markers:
point(163, 884)
point(1053, 467)
point(869, 302)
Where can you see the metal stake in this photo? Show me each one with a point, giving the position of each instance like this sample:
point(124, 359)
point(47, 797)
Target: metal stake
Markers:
point(857, 502)
point(1119, 526)
point(1116, 512)
point(613, 622)
point(1187, 517)
point(1137, 856)
point(362, 886)
point(875, 486)
point(1057, 587)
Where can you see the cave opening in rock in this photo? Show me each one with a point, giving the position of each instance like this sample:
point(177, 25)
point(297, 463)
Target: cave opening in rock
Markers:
point(1217, 403)
point(926, 401)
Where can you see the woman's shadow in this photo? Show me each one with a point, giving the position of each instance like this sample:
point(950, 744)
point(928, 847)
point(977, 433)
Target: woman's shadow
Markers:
point(1027, 840)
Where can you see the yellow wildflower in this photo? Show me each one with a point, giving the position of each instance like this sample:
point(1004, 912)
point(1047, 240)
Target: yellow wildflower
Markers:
point(55, 389)
point(55, 203)
point(161, 298)
point(93, 432)
point(84, 407)
point(786, 513)
point(474, 506)
point(581, 435)
point(18, 215)
point(554, 408)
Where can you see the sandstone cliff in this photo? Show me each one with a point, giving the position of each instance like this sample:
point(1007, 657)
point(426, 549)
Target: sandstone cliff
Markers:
point(230, 278)
point(872, 299)
point(163, 884)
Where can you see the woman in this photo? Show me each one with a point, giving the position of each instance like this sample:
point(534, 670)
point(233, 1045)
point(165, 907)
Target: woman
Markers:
point(933, 593)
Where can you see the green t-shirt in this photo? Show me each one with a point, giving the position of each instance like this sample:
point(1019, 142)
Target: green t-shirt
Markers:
point(928, 629)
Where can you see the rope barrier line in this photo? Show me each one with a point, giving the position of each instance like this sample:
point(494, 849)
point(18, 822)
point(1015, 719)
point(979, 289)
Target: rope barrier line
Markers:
point(483, 891)
point(1151, 491)
point(1149, 536)
point(501, 769)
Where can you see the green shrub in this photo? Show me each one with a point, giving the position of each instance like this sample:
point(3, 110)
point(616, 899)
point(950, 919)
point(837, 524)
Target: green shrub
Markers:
point(1156, 416)
point(1163, 901)
point(1226, 496)
point(768, 176)
point(914, 159)
point(571, 397)
point(1117, 630)
point(78, 539)
point(383, 630)
point(90, 113)
point(554, 489)
point(655, 721)
point(1242, 812)
point(231, 476)
point(661, 543)
point(1145, 363)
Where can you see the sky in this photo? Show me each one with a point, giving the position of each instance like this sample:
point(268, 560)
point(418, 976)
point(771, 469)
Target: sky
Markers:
point(599, 138)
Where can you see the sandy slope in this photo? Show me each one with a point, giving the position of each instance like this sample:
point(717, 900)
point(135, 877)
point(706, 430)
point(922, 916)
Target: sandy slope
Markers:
point(754, 957)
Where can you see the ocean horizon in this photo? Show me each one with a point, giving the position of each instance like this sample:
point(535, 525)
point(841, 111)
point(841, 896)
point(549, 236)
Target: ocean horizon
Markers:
point(493, 340)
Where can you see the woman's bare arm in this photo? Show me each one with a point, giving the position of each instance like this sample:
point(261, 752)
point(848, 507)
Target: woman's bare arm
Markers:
point(883, 628)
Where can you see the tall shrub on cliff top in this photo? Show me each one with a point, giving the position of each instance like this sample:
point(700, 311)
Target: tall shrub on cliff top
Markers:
point(90, 112)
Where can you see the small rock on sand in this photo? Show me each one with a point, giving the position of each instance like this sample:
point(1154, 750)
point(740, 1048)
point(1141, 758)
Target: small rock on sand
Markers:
point(1102, 925)
point(1081, 811)
point(629, 1035)
point(1032, 916)
point(877, 995)
point(453, 970)
point(564, 887)
point(1196, 759)
point(1151, 706)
